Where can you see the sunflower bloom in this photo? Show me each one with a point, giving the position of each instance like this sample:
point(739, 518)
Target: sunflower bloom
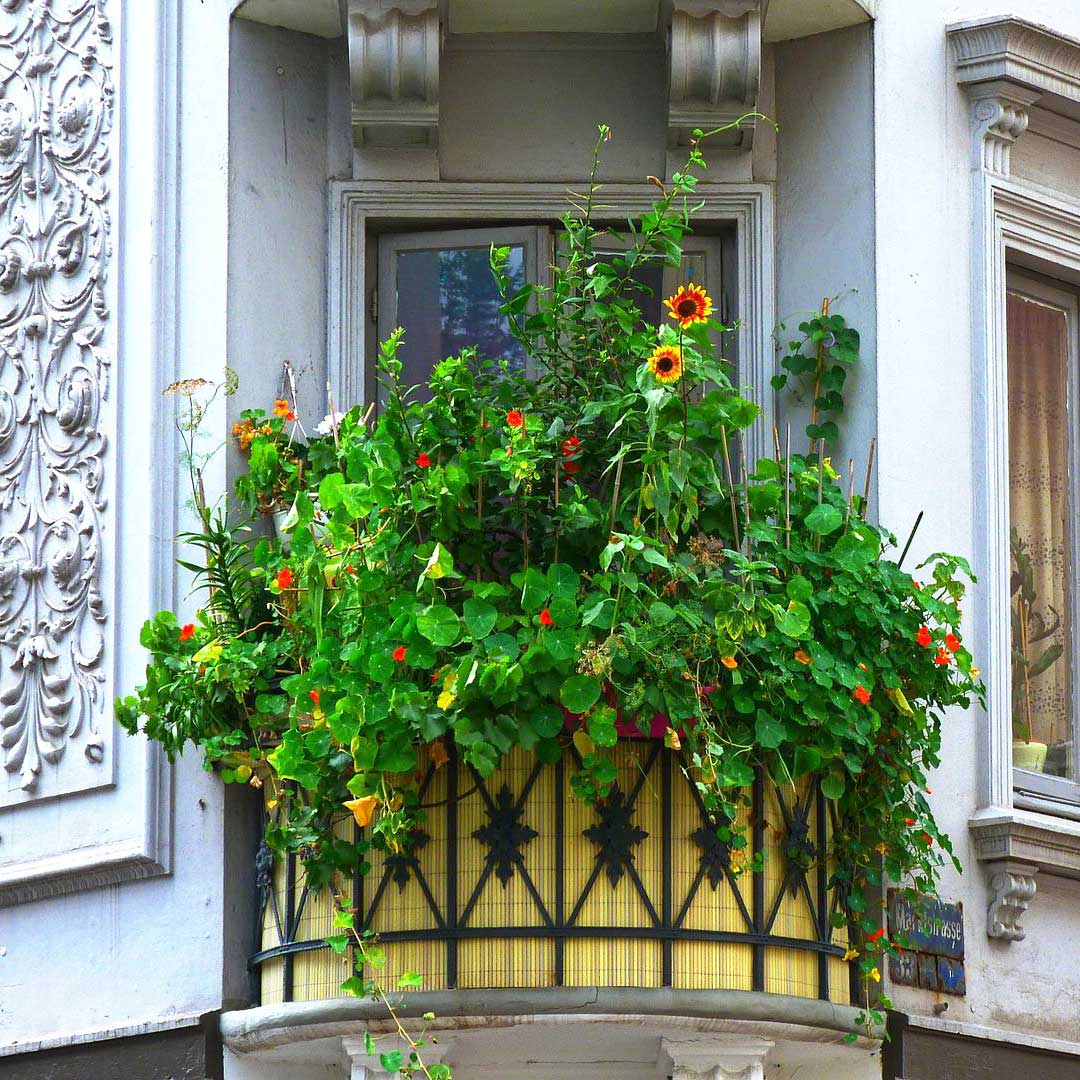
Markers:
point(666, 363)
point(690, 304)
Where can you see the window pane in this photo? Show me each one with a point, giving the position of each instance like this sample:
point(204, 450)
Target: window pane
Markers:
point(447, 300)
point(1040, 513)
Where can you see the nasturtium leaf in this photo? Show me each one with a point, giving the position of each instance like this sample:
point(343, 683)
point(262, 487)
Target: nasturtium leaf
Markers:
point(546, 720)
point(535, 590)
point(480, 617)
point(438, 624)
point(601, 726)
point(807, 759)
point(331, 490)
point(380, 666)
point(798, 588)
point(563, 581)
point(549, 751)
point(561, 644)
point(660, 614)
point(580, 693)
point(794, 620)
point(289, 761)
point(769, 731)
point(824, 519)
point(833, 784)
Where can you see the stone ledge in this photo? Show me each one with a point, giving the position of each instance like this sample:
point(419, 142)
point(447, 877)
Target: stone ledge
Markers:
point(1050, 844)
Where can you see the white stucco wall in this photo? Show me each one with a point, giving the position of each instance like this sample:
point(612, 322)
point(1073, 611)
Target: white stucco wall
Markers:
point(926, 454)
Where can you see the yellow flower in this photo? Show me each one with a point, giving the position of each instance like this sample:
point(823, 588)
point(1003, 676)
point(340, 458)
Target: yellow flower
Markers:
point(851, 954)
point(882, 849)
point(689, 305)
point(975, 673)
point(666, 363)
point(362, 809)
point(875, 974)
point(671, 739)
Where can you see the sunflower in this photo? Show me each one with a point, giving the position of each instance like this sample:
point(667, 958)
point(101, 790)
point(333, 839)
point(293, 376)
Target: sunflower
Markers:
point(689, 305)
point(666, 363)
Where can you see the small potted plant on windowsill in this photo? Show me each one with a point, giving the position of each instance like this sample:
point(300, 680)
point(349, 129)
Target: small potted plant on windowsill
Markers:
point(1030, 628)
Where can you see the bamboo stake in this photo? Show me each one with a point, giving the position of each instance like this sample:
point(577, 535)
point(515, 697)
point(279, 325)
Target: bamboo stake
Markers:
point(746, 490)
point(615, 493)
point(817, 376)
point(787, 492)
point(911, 536)
point(776, 443)
point(731, 487)
point(869, 473)
point(850, 490)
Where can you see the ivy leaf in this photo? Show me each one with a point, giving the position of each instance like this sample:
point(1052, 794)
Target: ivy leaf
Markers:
point(338, 942)
point(580, 693)
point(410, 980)
point(392, 1061)
point(824, 519)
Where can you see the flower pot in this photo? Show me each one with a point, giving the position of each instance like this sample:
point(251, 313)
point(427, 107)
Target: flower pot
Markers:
point(1028, 755)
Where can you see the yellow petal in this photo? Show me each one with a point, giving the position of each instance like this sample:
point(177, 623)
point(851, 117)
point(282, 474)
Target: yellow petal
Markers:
point(851, 954)
point(671, 739)
point(875, 975)
point(446, 699)
point(362, 809)
point(583, 742)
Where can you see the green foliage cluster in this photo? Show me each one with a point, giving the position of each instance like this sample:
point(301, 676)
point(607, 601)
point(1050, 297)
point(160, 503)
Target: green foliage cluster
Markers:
point(569, 557)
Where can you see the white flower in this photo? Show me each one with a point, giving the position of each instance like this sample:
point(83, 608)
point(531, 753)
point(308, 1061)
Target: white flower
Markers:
point(329, 422)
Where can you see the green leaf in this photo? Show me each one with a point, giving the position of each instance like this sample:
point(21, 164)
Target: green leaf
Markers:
point(769, 731)
point(580, 693)
point(857, 548)
point(547, 721)
point(410, 980)
point(338, 942)
point(331, 491)
point(480, 617)
point(392, 1061)
point(794, 620)
point(807, 760)
point(563, 581)
point(534, 590)
point(439, 625)
point(833, 784)
point(290, 763)
point(601, 727)
point(660, 614)
point(798, 588)
point(824, 519)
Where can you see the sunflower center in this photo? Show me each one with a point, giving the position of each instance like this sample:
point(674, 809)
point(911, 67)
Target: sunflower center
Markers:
point(665, 364)
point(686, 306)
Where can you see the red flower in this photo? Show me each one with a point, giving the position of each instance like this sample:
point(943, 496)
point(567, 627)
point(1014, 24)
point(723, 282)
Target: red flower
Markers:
point(877, 935)
point(514, 418)
point(862, 695)
point(924, 637)
point(423, 460)
point(917, 584)
point(942, 657)
point(927, 839)
point(545, 618)
point(284, 578)
point(399, 654)
point(187, 631)
point(314, 695)
point(570, 467)
point(909, 821)
point(569, 446)
point(350, 569)
point(952, 642)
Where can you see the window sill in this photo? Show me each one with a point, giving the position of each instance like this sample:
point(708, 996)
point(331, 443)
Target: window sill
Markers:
point(1033, 837)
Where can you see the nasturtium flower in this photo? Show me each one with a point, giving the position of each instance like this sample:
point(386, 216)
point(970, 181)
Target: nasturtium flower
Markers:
point(423, 460)
point(362, 809)
point(314, 695)
point(283, 410)
point(399, 654)
point(187, 631)
point(569, 446)
point(851, 954)
point(943, 657)
point(862, 695)
point(514, 418)
point(689, 305)
point(924, 637)
point(875, 974)
point(666, 363)
point(729, 662)
point(284, 578)
point(877, 935)
point(909, 821)
point(803, 656)
point(570, 467)
point(952, 642)
point(545, 618)
point(927, 839)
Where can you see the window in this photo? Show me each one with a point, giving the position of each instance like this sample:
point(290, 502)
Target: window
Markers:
point(1042, 359)
point(438, 286)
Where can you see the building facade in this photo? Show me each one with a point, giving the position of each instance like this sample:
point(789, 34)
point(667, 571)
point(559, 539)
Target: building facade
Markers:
point(187, 184)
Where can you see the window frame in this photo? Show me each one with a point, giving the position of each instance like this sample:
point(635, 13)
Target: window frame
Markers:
point(1040, 289)
point(360, 209)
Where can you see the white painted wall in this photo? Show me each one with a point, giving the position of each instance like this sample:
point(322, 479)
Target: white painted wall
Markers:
point(927, 454)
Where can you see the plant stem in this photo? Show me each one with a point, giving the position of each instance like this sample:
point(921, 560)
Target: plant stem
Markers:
point(731, 488)
point(817, 378)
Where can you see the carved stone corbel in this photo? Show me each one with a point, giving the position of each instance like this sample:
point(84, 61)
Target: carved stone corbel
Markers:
point(715, 67)
point(1013, 887)
point(360, 1065)
point(394, 73)
point(717, 1059)
point(1000, 112)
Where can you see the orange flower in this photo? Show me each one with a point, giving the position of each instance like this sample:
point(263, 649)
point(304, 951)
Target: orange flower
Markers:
point(284, 578)
point(924, 637)
point(187, 631)
point(862, 695)
point(514, 418)
point(362, 809)
point(942, 657)
point(439, 756)
point(545, 618)
point(399, 654)
point(909, 821)
point(423, 460)
point(952, 642)
point(927, 839)
point(283, 410)
point(690, 304)
point(802, 656)
point(666, 363)
point(729, 662)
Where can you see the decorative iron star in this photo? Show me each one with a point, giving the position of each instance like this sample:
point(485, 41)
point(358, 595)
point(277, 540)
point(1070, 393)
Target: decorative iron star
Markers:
point(798, 847)
point(715, 853)
point(504, 834)
point(615, 834)
point(401, 862)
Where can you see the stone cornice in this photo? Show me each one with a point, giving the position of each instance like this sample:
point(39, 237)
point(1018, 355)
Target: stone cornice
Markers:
point(1021, 53)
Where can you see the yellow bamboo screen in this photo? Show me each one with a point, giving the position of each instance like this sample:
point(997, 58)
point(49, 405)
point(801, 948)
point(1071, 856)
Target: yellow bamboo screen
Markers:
point(616, 936)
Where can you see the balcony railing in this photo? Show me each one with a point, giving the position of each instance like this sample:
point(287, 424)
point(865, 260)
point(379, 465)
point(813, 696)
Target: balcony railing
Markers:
point(514, 882)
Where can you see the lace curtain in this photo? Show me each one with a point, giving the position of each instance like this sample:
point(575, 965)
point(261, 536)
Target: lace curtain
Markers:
point(1039, 504)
